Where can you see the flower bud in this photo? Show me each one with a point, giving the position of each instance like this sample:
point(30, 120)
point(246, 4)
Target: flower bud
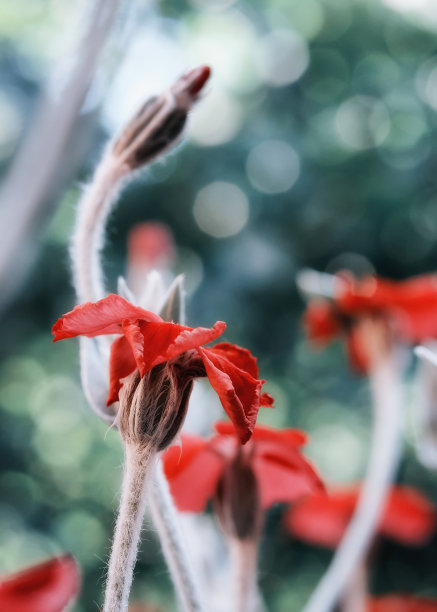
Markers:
point(237, 503)
point(153, 407)
point(159, 122)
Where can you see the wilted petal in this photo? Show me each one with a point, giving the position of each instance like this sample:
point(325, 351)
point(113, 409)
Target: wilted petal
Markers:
point(239, 356)
point(102, 317)
point(47, 587)
point(239, 392)
point(153, 343)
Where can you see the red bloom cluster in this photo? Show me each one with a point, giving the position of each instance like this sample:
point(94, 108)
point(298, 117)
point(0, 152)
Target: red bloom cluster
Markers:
point(409, 306)
point(146, 341)
point(408, 517)
point(282, 473)
point(47, 587)
point(401, 603)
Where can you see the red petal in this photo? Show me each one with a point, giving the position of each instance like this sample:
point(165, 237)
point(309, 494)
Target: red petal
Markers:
point(401, 603)
point(320, 321)
point(239, 356)
point(411, 303)
point(162, 341)
point(150, 246)
point(267, 400)
point(409, 517)
point(321, 519)
point(193, 471)
point(238, 391)
point(102, 317)
point(279, 482)
point(121, 364)
point(286, 437)
point(47, 587)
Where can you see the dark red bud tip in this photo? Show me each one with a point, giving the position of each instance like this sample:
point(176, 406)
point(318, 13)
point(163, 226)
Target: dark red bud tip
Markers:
point(198, 78)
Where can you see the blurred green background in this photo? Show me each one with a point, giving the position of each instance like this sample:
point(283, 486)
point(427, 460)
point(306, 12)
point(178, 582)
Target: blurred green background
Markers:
point(313, 146)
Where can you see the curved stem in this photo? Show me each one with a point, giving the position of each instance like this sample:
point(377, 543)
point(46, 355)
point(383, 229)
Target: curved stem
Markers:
point(87, 241)
point(165, 518)
point(127, 529)
point(244, 558)
point(383, 461)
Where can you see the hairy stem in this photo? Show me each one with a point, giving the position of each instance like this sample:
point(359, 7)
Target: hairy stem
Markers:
point(383, 461)
point(127, 529)
point(244, 558)
point(165, 518)
point(88, 236)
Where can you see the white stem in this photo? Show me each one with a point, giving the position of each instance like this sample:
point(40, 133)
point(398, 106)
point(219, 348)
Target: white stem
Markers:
point(354, 598)
point(88, 236)
point(244, 560)
point(127, 530)
point(382, 465)
point(165, 518)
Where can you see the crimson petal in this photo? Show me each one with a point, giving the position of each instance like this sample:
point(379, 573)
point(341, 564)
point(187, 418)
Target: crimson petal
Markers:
point(121, 364)
point(282, 482)
point(239, 392)
point(192, 470)
point(153, 343)
point(102, 317)
point(47, 587)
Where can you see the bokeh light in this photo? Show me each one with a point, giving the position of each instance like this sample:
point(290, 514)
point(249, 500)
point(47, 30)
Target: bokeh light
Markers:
point(221, 209)
point(273, 166)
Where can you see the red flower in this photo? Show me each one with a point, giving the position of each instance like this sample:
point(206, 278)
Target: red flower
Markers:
point(401, 603)
point(47, 587)
point(146, 341)
point(409, 307)
point(409, 517)
point(282, 473)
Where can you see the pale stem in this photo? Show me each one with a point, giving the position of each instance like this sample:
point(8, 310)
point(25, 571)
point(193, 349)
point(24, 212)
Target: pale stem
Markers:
point(383, 461)
point(244, 561)
point(165, 519)
point(88, 236)
point(354, 598)
point(127, 529)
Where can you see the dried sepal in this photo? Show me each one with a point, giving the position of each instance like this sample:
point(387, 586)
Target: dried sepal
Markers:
point(152, 408)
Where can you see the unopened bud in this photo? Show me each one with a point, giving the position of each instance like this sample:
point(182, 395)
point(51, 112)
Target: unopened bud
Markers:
point(237, 503)
point(160, 121)
point(153, 407)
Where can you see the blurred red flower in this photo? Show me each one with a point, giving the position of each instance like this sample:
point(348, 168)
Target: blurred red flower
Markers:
point(401, 603)
point(408, 306)
point(147, 341)
point(47, 587)
point(408, 517)
point(194, 470)
point(150, 246)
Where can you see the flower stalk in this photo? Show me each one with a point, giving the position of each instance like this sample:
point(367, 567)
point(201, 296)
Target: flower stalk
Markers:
point(244, 561)
point(383, 461)
point(128, 528)
point(175, 550)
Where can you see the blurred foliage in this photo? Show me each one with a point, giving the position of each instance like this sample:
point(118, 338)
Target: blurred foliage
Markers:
point(315, 146)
